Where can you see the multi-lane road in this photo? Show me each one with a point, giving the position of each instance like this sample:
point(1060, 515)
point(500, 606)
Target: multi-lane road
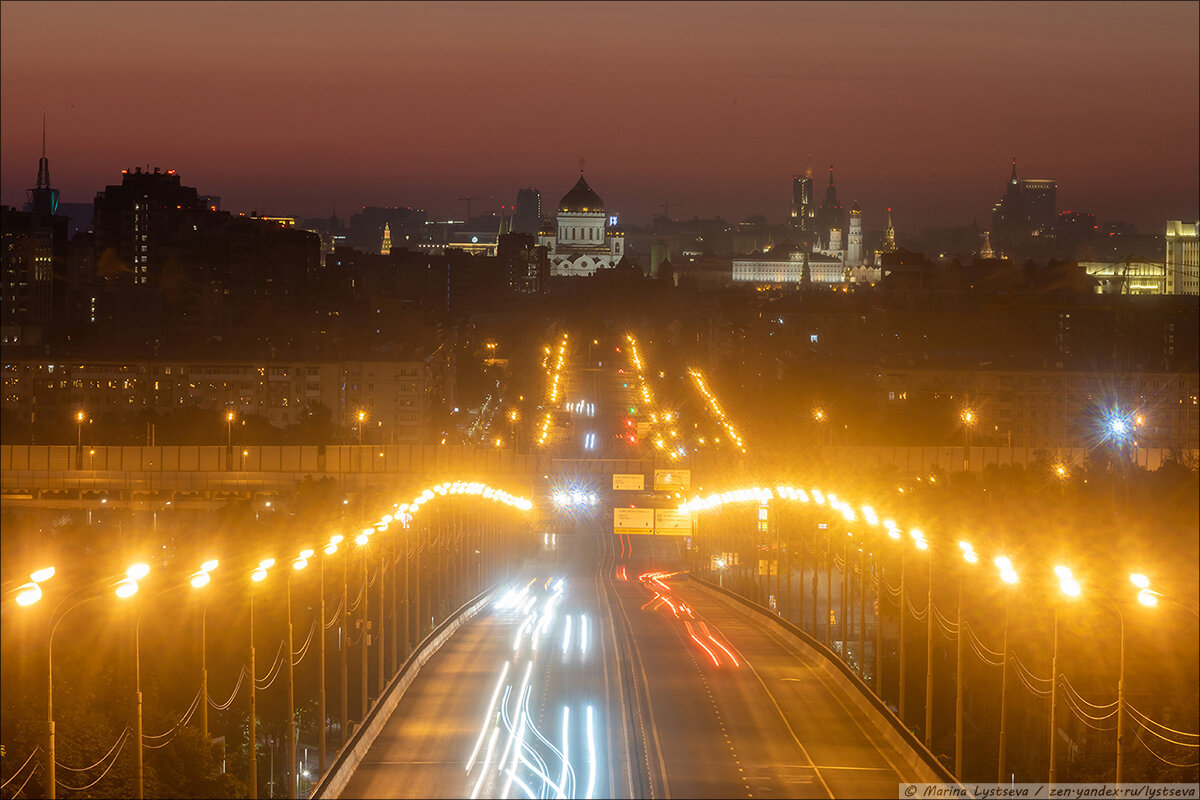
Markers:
point(601, 670)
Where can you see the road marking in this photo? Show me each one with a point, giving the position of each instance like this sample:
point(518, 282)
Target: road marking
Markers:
point(791, 648)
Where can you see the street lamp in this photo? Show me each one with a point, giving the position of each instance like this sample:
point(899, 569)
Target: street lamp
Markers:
point(969, 557)
point(299, 563)
point(1009, 576)
point(79, 418)
point(968, 417)
point(1071, 588)
point(228, 430)
point(328, 550)
point(257, 576)
point(124, 586)
point(198, 580)
point(362, 415)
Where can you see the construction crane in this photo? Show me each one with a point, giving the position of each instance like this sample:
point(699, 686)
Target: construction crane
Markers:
point(469, 198)
point(666, 207)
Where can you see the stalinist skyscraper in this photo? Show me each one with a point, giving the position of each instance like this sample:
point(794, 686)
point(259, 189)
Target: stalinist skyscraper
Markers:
point(802, 207)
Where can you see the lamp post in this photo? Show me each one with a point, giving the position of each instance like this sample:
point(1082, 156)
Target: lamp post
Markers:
point(124, 587)
point(257, 576)
point(198, 580)
point(79, 417)
point(513, 417)
point(969, 557)
point(1009, 576)
point(343, 656)
point(903, 684)
point(1070, 587)
point(330, 549)
point(921, 544)
point(362, 415)
point(968, 418)
point(299, 563)
point(362, 540)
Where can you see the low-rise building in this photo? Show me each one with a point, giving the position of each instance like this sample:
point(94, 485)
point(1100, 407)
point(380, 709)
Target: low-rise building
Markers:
point(397, 396)
point(1058, 408)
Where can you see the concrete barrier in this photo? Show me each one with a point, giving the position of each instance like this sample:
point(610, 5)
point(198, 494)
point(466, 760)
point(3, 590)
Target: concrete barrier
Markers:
point(334, 781)
point(873, 710)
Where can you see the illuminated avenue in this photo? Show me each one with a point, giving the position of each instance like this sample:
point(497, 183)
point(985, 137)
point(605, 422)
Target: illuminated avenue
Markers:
point(599, 400)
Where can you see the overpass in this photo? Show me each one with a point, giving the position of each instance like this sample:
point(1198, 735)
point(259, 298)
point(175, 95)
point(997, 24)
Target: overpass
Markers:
point(64, 476)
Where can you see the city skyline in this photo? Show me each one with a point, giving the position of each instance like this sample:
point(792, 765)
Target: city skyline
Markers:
point(713, 122)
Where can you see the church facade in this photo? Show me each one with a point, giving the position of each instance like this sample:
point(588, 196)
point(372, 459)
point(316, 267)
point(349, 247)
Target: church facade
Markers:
point(580, 241)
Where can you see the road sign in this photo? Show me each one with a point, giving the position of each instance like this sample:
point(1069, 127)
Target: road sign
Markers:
point(680, 479)
point(633, 520)
point(764, 565)
point(634, 483)
point(669, 522)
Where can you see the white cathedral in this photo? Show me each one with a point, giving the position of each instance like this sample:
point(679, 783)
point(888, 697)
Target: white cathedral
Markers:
point(581, 241)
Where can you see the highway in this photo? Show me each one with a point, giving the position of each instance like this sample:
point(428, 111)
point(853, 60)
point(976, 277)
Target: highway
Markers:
point(602, 670)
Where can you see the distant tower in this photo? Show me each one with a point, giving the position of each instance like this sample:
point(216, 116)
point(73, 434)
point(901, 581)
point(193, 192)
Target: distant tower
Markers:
point(854, 242)
point(44, 199)
point(987, 251)
point(835, 240)
point(889, 235)
point(831, 214)
point(386, 247)
point(802, 211)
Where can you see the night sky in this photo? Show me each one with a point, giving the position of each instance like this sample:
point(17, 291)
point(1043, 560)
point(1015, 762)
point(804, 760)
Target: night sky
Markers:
point(298, 108)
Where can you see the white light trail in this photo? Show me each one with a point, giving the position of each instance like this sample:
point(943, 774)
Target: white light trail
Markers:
point(512, 733)
point(519, 738)
point(591, 740)
point(583, 633)
point(488, 716)
point(487, 759)
point(513, 777)
point(567, 635)
point(562, 781)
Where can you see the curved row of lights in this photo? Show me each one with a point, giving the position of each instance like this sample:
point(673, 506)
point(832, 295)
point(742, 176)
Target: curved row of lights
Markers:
point(659, 420)
point(716, 409)
point(553, 374)
point(127, 586)
point(1068, 583)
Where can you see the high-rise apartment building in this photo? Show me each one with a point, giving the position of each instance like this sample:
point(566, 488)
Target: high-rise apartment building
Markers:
point(528, 215)
point(136, 221)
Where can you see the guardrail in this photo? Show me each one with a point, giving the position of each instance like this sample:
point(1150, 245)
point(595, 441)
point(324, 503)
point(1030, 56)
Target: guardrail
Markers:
point(351, 754)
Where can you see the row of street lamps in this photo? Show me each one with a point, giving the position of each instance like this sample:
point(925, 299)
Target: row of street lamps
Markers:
point(126, 585)
point(1068, 585)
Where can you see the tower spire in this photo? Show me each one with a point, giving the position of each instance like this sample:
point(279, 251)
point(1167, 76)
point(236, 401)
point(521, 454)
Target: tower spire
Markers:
point(43, 199)
point(808, 169)
point(43, 177)
point(831, 174)
point(1013, 179)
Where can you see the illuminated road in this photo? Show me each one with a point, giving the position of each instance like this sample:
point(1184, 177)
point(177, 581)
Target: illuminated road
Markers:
point(599, 674)
point(741, 710)
point(531, 679)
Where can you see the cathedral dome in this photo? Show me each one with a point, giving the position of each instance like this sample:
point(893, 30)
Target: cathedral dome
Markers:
point(581, 198)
